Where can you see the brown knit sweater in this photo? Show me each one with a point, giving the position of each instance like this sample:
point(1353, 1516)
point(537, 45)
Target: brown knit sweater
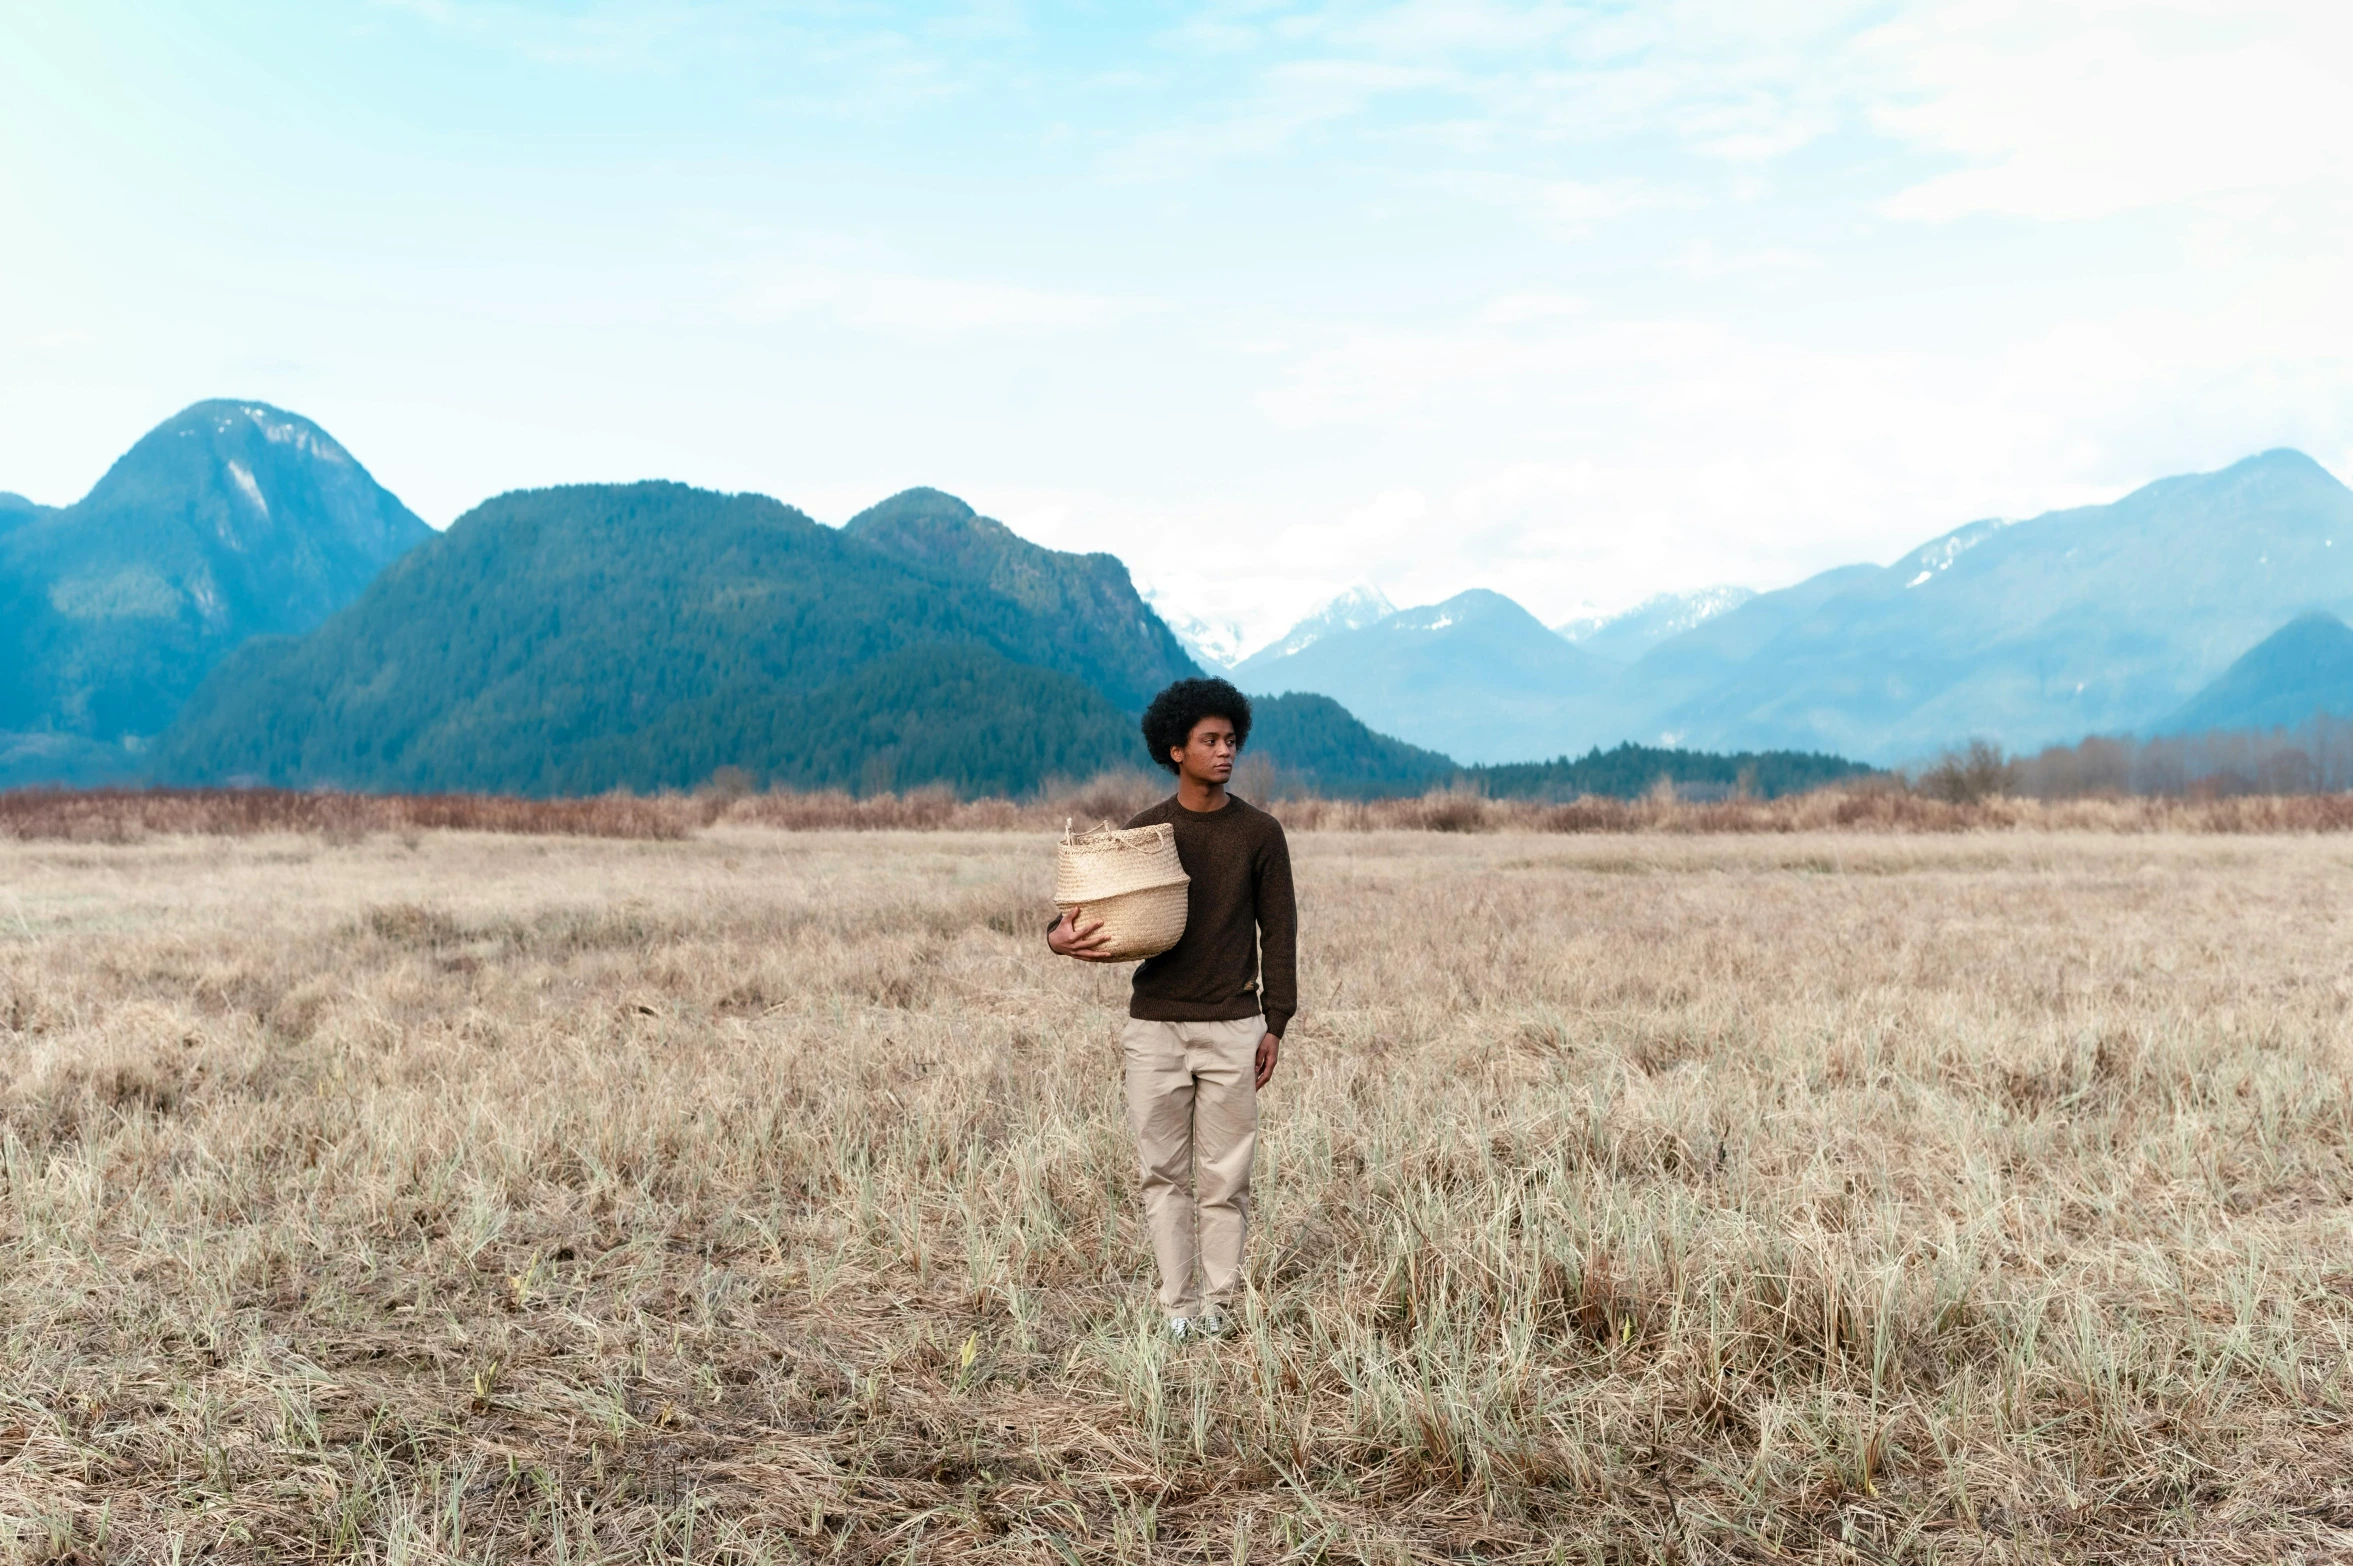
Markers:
point(1240, 952)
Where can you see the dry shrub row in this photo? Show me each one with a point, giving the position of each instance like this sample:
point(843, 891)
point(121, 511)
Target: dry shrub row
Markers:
point(128, 815)
point(1868, 809)
point(1115, 796)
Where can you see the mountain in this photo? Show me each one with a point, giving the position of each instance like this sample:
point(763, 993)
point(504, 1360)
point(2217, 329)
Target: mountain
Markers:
point(1213, 644)
point(1353, 610)
point(589, 637)
point(239, 576)
point(2099, 619)
point(1101, 627)
point(1627, 635)
point(1311, 744)
point(1218, 643)
point(1670, 679)
point(642, 636)
point(1477, 677)
point(228, 521)
point(2302, 669)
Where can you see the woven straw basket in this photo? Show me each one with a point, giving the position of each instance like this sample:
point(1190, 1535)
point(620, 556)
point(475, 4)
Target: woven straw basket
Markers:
point(1131, 880)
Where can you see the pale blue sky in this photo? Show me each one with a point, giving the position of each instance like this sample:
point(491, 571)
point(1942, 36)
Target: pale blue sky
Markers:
point(1575, 301)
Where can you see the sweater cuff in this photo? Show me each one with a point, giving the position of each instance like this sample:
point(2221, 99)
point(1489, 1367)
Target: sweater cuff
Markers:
point(1277, 1021)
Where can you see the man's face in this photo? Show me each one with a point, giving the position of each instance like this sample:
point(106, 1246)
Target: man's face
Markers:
point(1208, 753)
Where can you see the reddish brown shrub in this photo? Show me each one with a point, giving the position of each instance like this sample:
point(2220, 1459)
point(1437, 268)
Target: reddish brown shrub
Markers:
point(126, 815)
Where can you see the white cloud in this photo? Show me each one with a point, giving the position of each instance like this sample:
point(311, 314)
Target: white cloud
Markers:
point(2054, 109)
point(930, 304)
point(1567, 206)
point(933, 305)
point(1670, 453)
point(1414, 282)
point(613, 34)
point(1583, 201)
point(2073, 111)
point(1288, 99)
point(1533, 305)
point(1702, 263)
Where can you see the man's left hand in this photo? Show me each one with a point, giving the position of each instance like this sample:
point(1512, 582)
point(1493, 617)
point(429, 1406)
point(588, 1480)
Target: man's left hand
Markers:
point(1270, 1049)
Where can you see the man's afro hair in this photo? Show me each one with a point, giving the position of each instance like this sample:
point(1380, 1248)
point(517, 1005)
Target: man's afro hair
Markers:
point(1168, 722)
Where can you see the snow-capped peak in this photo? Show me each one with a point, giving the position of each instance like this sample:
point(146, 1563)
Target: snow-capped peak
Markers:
point(279, 430)
point(1629, 633)
point(1214, 644)
point(1353, 610)
point(1940, 555)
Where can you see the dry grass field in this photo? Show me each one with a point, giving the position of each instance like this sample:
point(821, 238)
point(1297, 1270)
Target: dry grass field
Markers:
point(755, 1195)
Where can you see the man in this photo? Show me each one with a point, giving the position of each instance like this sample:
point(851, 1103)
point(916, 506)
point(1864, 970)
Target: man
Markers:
point(1205, 1024)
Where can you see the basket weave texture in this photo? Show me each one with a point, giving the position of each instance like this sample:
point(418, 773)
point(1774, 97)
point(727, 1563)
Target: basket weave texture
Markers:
point(1131, 880)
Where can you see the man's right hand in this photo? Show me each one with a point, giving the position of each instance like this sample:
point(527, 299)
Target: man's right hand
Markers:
point(1086, 942)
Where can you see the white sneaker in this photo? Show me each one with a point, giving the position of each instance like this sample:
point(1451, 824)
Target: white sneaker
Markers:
point(1181, 1328)
point(1213, 1323)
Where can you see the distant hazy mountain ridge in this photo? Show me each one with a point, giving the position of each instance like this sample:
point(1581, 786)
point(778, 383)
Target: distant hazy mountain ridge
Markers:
point(1477, 676)
point(2097, 619)
point(1929, 559)
point(1626, 636)
point(1213, 644)
point(2299, 672)
point(1352, 610)
point(2101, 619)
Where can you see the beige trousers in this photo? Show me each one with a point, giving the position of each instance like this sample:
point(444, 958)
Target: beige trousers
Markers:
point(1192, 1102)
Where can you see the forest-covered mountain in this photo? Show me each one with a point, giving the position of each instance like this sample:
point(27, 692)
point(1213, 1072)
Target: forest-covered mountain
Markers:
point(1304, 744)
point(1128, 651)
point(229, 520)
point(642, 636)
point(590, 637)
point(571, 639)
